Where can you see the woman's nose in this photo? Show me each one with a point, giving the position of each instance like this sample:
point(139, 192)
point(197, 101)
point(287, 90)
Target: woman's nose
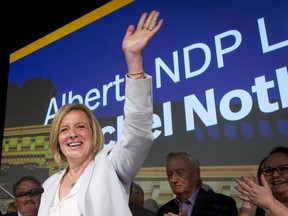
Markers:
point(72, 133)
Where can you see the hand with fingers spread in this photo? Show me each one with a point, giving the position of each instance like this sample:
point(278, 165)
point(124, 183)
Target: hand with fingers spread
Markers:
point(255, 196)
point(247, 208)
point(251, 191)
point(136, 39)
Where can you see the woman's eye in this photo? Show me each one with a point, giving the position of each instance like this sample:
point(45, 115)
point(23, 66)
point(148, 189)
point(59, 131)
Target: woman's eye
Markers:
point(63, 130)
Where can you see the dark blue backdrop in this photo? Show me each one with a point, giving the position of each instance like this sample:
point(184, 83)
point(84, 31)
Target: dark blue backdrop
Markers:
point(216, 90)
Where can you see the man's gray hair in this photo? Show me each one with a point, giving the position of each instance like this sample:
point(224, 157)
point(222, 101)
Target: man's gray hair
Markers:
point(193, 158)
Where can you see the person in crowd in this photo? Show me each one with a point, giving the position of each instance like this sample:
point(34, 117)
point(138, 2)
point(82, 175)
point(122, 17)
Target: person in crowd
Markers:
point(136, 201)
point(137, 196)
point(183, 174)
point(260, 167)
point(27, 192)
point(11, 208)
point(270, 196)
point(151, 204)
point(136, 193)
point(97, 180)
point(205, 186)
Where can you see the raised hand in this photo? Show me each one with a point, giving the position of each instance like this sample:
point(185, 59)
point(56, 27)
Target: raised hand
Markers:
point(136, 39)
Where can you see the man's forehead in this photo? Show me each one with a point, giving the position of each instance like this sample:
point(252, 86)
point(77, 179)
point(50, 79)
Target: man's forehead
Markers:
point(26, 185)
point(179, 161)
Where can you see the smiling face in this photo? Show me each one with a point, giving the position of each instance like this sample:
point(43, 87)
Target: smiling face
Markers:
point(75, 136)
point(278, 182)
point(27, 205)
point(183, 176)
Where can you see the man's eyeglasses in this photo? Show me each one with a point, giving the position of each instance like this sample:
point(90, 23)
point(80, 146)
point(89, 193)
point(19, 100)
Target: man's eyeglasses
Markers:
point(31, 192)
point(281, 169)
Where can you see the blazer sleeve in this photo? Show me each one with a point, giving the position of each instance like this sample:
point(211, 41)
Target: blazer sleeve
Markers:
point(132, 148)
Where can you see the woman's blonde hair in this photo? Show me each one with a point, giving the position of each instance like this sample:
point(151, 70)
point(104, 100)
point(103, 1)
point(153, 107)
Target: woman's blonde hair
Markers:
point(97, 135)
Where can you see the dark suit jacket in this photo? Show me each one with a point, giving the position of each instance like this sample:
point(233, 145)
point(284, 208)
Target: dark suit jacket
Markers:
point(206, 204)
point(11, 214)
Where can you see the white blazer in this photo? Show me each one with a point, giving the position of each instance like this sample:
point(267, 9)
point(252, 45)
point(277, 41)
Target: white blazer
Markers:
point(105, 186)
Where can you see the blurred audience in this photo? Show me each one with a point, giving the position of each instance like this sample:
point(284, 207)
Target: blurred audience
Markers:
point(11, 208)
point(151, 204)
point(136, 201)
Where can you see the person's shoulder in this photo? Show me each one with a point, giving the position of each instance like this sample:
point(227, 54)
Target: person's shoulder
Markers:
point(151, 204)
point(220, 198)
point(57, 174)
point(139, 210)
point(53, 178)
point(217, 203)
point(147, 212)
point(169, 206)
point(169, 203)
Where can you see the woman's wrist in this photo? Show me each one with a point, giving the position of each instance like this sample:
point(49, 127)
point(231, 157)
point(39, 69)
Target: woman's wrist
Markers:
point(136, 75)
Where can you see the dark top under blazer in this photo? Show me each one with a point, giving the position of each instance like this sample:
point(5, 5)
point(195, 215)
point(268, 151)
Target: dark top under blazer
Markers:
point(206, 204)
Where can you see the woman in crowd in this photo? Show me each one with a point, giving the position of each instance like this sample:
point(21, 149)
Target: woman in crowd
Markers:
point(271, 196)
